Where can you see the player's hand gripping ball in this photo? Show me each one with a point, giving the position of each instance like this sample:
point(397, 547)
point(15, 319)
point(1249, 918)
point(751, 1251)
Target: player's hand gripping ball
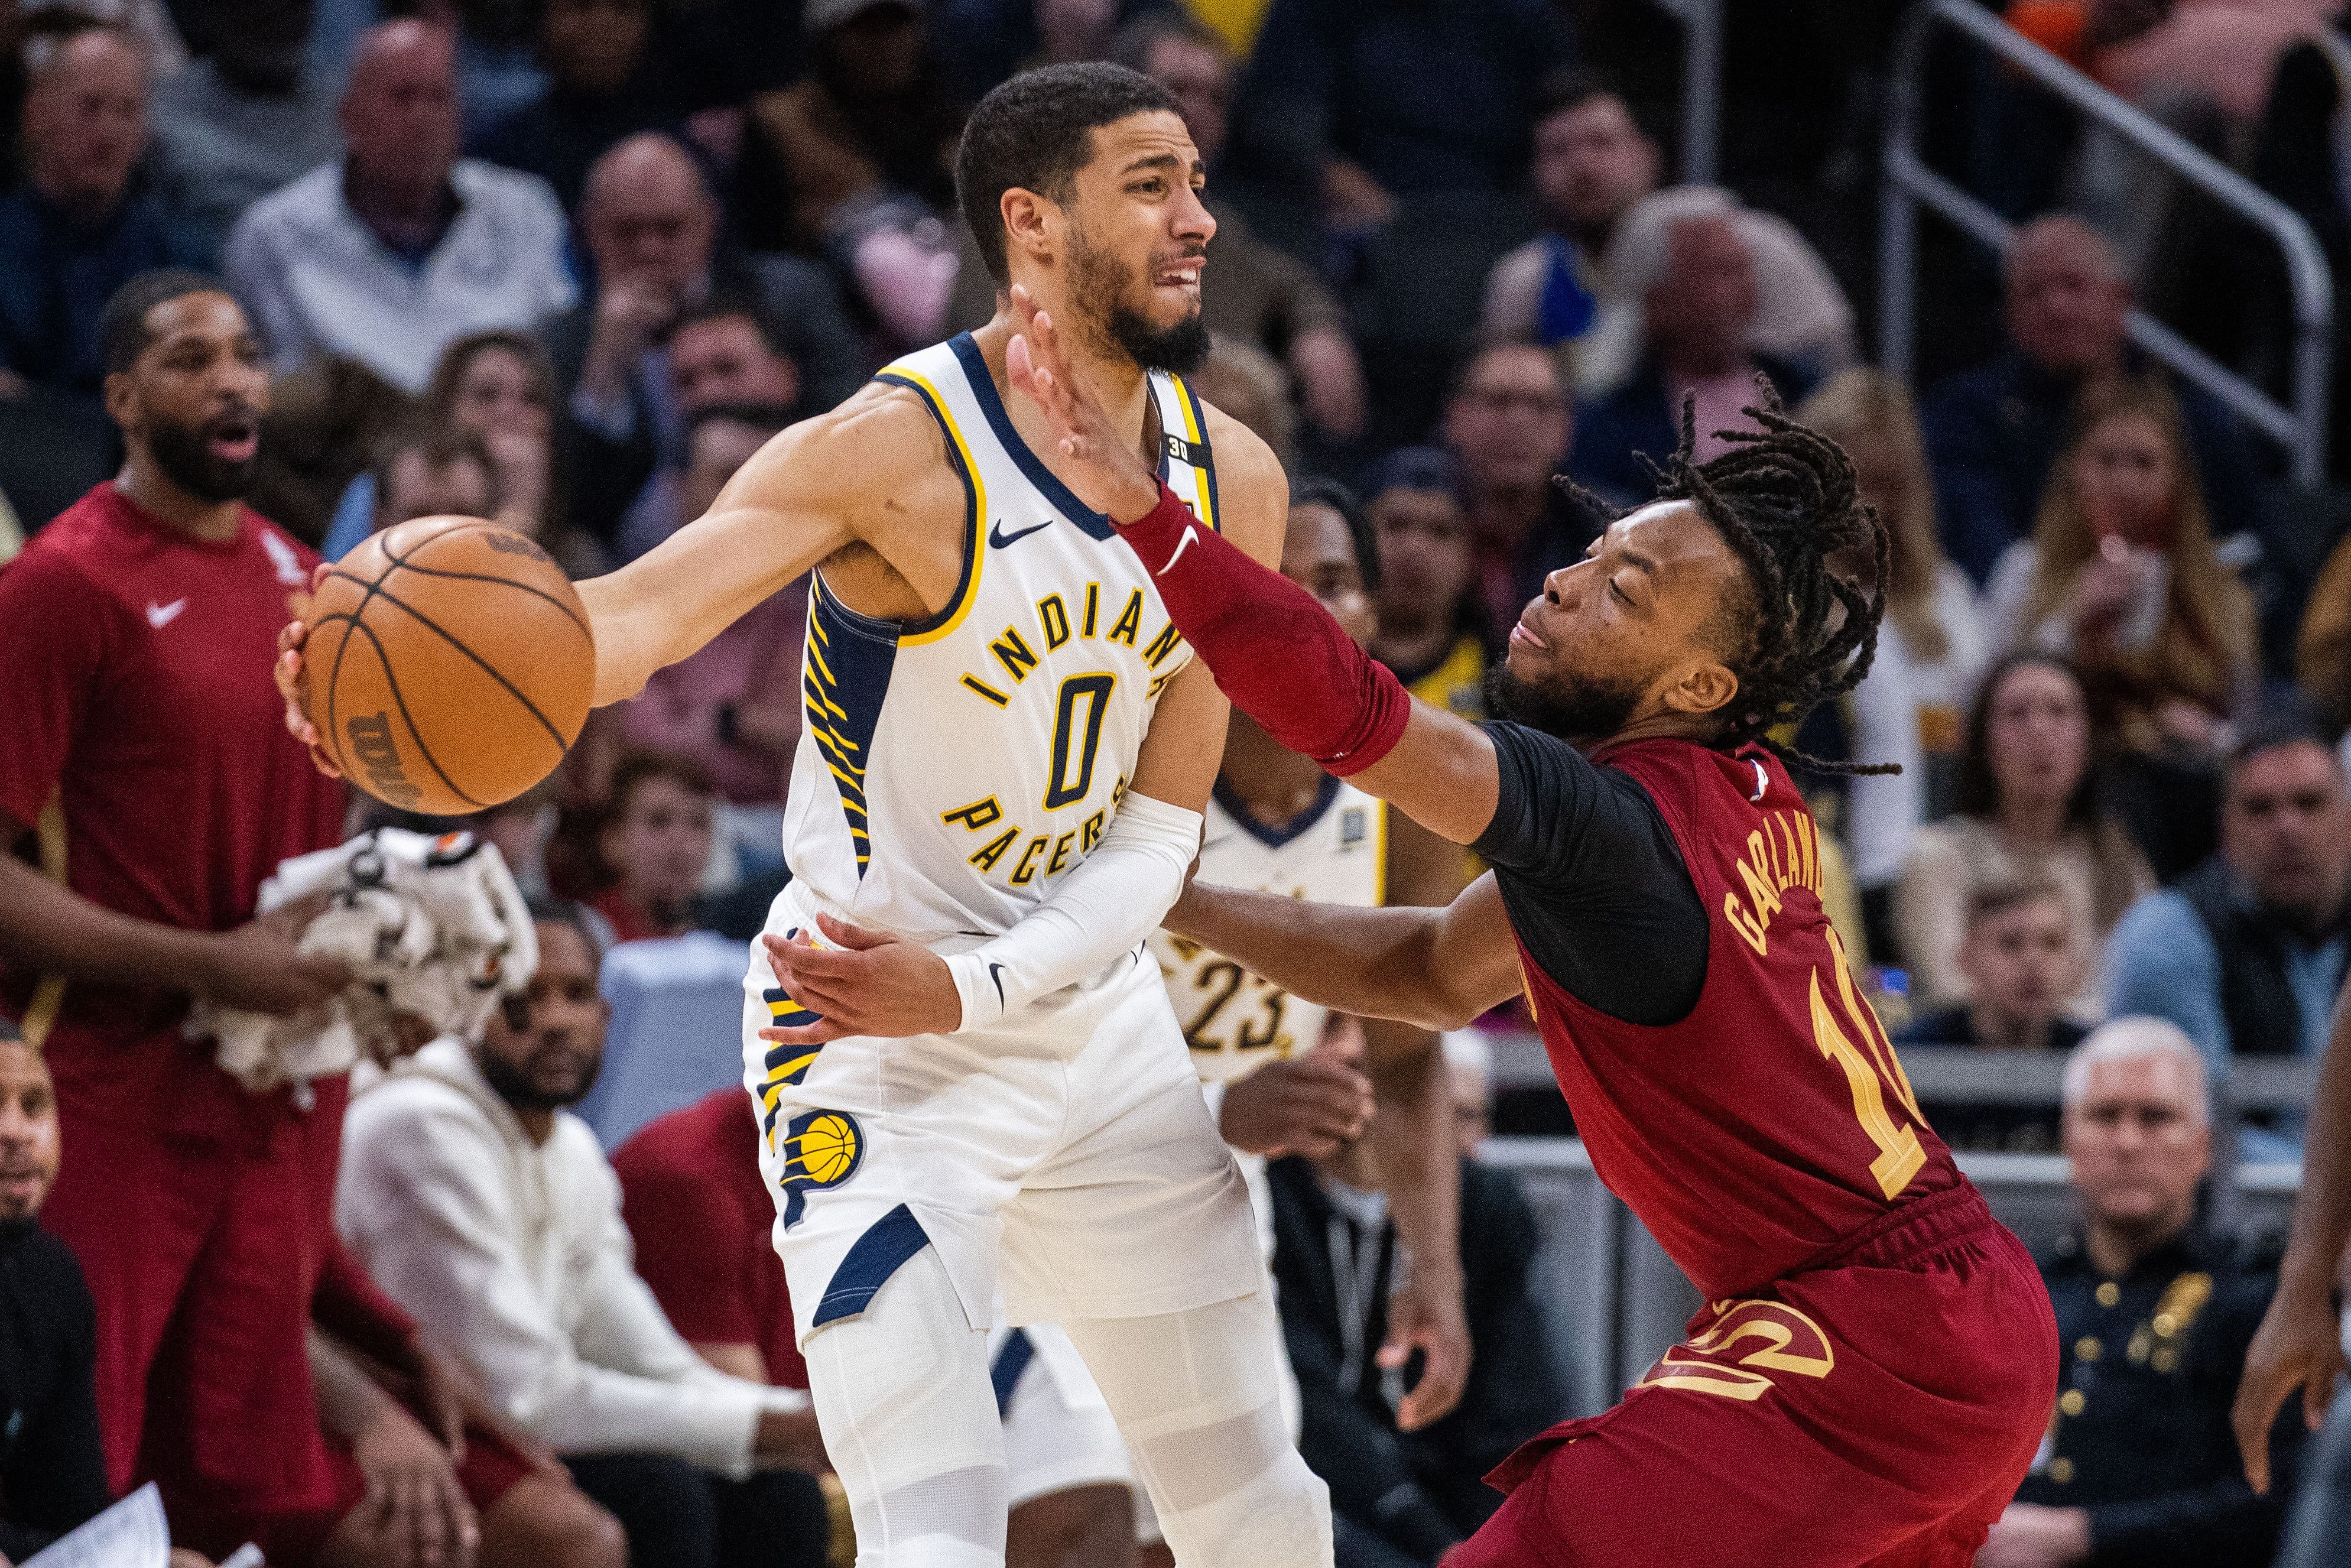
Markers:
point(449, 665)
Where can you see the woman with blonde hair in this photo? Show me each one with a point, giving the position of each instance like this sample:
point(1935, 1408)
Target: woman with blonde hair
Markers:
point(1933, 623)
point(2121, 576)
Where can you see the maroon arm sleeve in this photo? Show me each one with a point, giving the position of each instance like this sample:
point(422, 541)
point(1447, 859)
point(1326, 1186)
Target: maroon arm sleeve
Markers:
point(351, 1307)
point(1275, 652)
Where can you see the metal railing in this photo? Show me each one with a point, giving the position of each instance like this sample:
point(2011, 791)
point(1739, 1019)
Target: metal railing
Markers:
point(2299, 426)
point(1701, 23)
point(1612, 1302)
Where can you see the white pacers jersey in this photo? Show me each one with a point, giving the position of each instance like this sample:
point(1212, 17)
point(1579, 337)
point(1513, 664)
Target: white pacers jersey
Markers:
point(952, 770)
point(1234, 1020)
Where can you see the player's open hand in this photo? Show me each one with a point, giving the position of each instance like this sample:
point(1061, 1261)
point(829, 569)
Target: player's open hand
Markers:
point(861, 982)
point(2299, 1344)
point(297, 690)
point(1110, 475)
point(1426, 1314)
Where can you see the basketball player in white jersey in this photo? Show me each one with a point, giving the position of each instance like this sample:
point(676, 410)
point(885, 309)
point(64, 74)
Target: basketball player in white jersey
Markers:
point(1281, 1075)
point(1277, 823)
point(977, 1089)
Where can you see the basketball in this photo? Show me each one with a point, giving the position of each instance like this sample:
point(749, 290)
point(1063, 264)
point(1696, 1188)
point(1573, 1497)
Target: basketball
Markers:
point(828, 1149)
point(450, 665)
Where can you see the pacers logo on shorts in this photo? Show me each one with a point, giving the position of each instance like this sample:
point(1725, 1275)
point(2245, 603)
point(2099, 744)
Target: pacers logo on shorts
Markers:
point(821, 1149)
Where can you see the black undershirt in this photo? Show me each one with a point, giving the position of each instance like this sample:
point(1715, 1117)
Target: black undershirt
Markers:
point(1594, 883)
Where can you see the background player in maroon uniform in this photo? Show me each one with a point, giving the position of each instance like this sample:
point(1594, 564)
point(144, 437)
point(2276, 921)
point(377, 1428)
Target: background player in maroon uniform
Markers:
point(146, 773)
point(1877, 1361)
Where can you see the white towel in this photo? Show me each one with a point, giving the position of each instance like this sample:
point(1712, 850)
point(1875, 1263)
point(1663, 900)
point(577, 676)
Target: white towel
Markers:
point(433, 927)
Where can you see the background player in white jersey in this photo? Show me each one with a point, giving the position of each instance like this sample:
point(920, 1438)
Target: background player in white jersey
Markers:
point(1281, 1075)
point(1000, 786)
point(1280, 1080)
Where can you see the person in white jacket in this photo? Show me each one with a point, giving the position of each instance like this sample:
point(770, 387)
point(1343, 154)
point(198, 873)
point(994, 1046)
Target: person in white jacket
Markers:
point(487, 1210)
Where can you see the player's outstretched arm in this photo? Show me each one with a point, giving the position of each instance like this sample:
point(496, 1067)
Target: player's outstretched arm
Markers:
point(1439, 968)
point(868, 472)
point(1277, 654)
point(2300, 1341)
point(849, 476)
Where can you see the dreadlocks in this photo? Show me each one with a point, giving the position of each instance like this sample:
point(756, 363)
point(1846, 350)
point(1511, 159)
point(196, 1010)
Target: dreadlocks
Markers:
point(1785, 499)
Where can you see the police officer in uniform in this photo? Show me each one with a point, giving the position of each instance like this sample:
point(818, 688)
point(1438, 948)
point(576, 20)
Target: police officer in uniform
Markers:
point(2154, 1313)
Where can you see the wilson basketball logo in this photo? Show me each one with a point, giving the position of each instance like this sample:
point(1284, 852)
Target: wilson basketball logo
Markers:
point(377, 755)
point(821, 1149)
point(507, 543)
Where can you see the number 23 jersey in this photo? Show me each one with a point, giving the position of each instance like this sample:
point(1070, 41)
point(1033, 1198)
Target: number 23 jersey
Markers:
point(951, 771)
point(1234, 1020)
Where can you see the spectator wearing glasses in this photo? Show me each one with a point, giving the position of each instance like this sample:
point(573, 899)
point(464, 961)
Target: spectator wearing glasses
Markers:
point(1512, 425)
point(651, 224)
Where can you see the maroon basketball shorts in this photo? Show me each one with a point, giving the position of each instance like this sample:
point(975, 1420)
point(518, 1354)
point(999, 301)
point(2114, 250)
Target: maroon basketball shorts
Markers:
point(1877, 1412)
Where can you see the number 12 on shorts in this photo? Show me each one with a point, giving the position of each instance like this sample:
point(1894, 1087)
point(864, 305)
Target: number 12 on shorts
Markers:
point(1870, 1069)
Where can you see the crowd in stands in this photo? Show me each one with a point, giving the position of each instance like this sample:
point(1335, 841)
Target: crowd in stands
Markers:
point(569, 263)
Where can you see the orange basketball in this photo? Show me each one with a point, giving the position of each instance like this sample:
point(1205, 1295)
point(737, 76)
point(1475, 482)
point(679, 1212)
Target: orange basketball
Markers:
point(450, 665)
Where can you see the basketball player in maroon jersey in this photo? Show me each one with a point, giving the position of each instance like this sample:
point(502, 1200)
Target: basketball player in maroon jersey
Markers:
point(1878, 1359)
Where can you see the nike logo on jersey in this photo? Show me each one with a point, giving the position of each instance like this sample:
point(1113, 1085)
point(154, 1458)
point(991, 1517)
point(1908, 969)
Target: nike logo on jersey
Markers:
point(999, 539)
point(161, 616)
point(996, 973)
point(1181, 546)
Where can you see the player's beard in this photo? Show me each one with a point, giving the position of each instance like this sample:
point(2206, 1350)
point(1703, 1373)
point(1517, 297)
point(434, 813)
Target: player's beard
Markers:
point(1098, 285)
point(181, 452)
point(1568, 707)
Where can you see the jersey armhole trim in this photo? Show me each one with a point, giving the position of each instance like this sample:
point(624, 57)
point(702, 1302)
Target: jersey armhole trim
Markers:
point(1195, 423)
point(913, 633)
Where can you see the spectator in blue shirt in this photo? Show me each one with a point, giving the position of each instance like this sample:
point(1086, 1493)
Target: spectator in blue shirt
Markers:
point(1352, 103)
point(2246, 954)
point(74, 230)
point(1993, 432)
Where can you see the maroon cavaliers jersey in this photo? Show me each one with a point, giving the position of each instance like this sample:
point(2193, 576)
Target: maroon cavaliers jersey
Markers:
point(147, 742)
point(1773, 1120)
